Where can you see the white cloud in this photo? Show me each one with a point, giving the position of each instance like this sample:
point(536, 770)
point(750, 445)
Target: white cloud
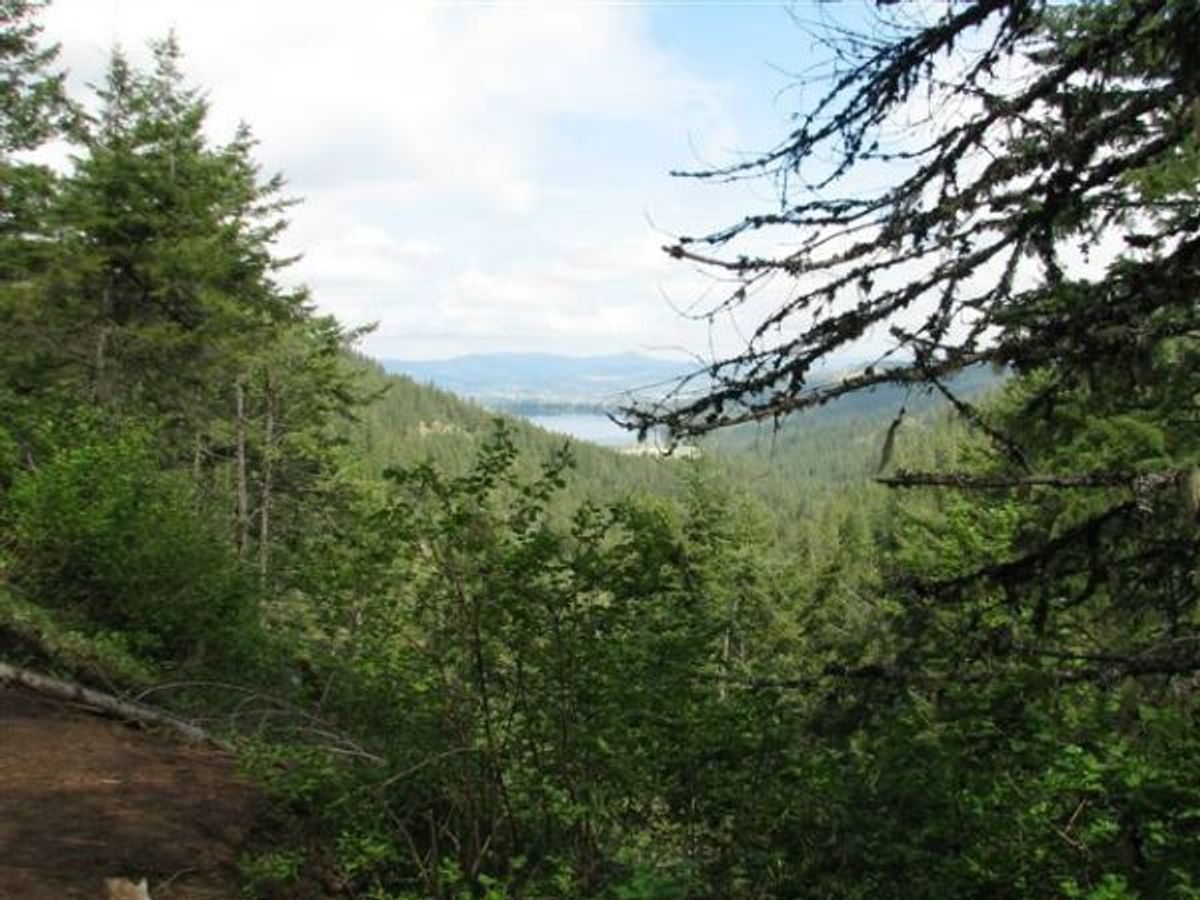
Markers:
point(474, 176)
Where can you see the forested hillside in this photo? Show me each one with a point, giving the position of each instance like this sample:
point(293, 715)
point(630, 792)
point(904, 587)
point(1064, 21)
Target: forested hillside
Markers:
point(941, 643)
point(404, 423)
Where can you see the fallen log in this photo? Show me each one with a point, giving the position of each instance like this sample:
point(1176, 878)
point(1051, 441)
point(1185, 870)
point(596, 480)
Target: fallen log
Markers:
point(72, 692)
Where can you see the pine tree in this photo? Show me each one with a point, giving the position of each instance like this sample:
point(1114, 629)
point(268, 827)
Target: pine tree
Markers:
point(33, 110)
point(32, 105)
point(167, 263)
point(159, 298)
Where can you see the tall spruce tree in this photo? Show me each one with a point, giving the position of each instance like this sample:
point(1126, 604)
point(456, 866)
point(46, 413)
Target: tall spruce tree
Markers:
point(33, 109)
point(32, 104)
point(158, 297)
point(167, 262)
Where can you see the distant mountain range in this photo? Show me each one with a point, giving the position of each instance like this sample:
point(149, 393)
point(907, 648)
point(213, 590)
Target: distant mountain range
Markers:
point(497, 378)
point(537, 385)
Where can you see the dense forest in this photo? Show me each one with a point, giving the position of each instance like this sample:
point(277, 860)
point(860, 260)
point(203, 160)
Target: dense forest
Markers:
point(944, 645)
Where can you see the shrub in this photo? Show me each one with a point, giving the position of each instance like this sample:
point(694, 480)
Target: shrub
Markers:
point(101, 530)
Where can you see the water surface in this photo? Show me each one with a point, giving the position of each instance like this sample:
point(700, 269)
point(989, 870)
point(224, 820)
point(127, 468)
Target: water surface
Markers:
point(586, 427)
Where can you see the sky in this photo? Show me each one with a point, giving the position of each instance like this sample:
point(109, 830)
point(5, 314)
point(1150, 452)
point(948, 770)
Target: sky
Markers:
point(481, 177)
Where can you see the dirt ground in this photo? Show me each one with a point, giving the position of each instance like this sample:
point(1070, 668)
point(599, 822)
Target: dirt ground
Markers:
point(83, 798)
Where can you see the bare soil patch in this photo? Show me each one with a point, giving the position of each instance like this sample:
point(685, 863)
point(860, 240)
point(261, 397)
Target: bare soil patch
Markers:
point(83, 798)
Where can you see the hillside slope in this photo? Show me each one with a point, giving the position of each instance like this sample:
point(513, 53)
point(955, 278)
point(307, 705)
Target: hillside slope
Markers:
point(408, 423)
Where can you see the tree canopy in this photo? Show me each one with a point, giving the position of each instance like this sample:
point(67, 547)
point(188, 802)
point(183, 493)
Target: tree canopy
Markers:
point(32, 103)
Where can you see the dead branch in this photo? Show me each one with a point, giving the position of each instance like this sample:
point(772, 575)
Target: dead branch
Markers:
point(73, 692)
point(967, 481)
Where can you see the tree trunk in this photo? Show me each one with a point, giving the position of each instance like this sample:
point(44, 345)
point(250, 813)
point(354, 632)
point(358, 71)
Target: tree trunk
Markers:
point(243, 492)
point(197, 458)
point(727, 647)
point(268, 473)
point(100, 393)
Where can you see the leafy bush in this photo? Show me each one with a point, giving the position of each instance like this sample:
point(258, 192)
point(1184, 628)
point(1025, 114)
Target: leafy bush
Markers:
point(548, 697)
point(99, 530)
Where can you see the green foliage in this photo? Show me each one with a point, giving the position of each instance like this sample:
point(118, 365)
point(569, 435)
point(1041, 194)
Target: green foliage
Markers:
point(164, 273)
point(101, 532)
point(32, 106)
point(157, 302)
point(481, 665)
point(561, 688)
point(268, 873)
point(33, 635)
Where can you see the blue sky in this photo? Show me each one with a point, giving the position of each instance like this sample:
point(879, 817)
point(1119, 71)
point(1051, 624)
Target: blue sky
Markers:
point(483, 177)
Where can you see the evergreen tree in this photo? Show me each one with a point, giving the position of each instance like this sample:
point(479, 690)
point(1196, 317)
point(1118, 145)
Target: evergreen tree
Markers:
point(1050, 226)
point(1015, 703)
point(167, 270)
point(32, 105)
point(157, 300)
point(33, 109)
point(1073, 140)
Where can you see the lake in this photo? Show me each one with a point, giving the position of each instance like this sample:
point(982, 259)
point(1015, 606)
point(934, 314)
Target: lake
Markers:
point(586, 427)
